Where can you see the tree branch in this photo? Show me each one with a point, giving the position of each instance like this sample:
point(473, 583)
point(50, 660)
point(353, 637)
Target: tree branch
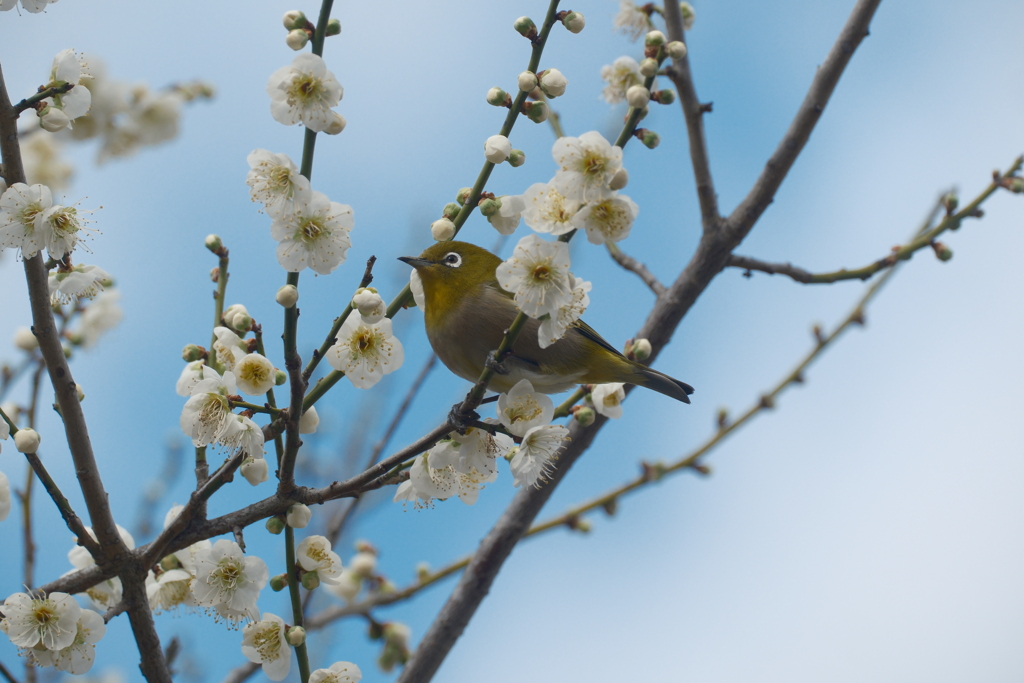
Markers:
point(634, 266)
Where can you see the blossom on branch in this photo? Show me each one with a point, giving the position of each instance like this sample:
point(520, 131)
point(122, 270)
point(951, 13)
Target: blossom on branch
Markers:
point(548, 210)
point(276, 183)
point(81, 282)
point(21, 218)
point(207, 412)
point(339, 672)
point(536, 454)
point(314, 554)
point(522, 409)
point(554, 326)
point(304, 92)
point(263, 642)
point(228, 581)
point(587, 165)
point(620, 75)
point(608, 398)
point(315, 236)
point(366, 352)
point(538, 276)
point(608, 220)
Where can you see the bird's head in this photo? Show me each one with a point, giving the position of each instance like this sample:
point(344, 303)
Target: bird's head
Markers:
point(450, 270)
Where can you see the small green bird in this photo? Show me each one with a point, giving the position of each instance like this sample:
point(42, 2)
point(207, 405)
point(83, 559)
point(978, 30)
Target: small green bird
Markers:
point(467, 313)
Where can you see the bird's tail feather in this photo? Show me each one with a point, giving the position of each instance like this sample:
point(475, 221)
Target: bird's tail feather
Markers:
point(663, 384)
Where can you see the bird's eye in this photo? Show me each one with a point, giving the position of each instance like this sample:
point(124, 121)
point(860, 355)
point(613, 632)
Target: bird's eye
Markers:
point(452, 260)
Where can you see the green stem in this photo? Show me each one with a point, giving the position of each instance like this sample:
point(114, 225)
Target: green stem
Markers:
point(293, 593)
point(321, 388)
point(278, 442)
point(566, 407)
point(218, 305)
point(42, 95)
point(245, 405)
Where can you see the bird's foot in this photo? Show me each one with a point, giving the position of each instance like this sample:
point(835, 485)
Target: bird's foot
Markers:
point(462, 419)
point(495, 365)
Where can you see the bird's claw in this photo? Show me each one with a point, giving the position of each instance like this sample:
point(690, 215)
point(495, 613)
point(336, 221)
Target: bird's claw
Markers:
point(492, 363)
point(461, 419)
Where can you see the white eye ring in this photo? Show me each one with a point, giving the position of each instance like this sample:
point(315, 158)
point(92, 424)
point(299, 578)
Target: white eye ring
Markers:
point(452, 260)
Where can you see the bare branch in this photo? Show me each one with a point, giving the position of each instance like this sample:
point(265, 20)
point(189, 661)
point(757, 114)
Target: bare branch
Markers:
point(72, 520)
point(693, 112)
point(788, 269)
point(762, 194)
point(634, 266)
point(6, 673)
point(240, 674)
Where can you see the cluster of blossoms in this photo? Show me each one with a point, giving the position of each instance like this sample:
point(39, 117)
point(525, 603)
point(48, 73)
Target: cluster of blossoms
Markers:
point(635, 20)
point(30, 222)
point(53, 630)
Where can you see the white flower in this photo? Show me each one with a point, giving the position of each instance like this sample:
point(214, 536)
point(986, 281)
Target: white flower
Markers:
point(228, 581)
point(254, 470)
point(315, 236)
point(442, 230)
point(363, 564)
point(527, 81)
point(69, 68)
point(40, 154)
point(304, 93)
point(82, 282)
point(169, 590)
point(25, 339)
point(309, 421)
point(548, 210)
point(21, 218)
point(337, 125)
point(522, 409)
point(416, 287)
point(276, 182)
point(536, 453)
point(607, 399)
point(206, 413)
point(370, 305)
point(101, 315)
point(473, 453)
point(255, 374)
point(638, 96)
point(229, 347)
point(33, 6)
point(263, 642)
point(510, 210)
point(365, 352)
point(76, 658)
point(237, 315)
point(608, 220)
point(5, 493)
point(52, 119)
point(538, 275)
point(314, 554)
point(553, 83)
point(497, 148)
point(347, 585)
point(287, 295)
point(153, 118)
point(298, 516)
point(241, 433)
point(191, 375)
point(689, 15)
point(339, 672)
point(553, 328)
point(632, 21)
point(51, 622)
point(587, 164)
point(26, 440)
point(427, 482)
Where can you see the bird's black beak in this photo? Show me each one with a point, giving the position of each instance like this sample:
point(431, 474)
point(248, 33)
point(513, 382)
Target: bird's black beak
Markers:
point(415, 261)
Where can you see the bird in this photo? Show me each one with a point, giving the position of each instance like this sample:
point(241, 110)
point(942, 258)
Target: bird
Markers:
point(467, 313)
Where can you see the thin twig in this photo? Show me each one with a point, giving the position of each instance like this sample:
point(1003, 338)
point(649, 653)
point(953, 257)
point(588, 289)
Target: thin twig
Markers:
point(332, 336)
point(6, 673)
point(74, 523)
point(240, 674)
point(634, 266)
point(42, 95)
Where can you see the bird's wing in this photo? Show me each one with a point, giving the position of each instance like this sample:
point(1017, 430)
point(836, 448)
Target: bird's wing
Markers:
point(591, 334)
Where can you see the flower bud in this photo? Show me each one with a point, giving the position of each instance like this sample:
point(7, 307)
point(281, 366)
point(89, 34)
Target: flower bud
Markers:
point(585, 416)
point(296, 636)
point(53, 119)
point(536, 111)
point(25, 339)
point(527, 81)
point(298, 516)
point(278, 583)
point(80, 392)
point(463, 195)
point(254, 470)
point(654, 39)
point(642, 349)
point(422, 572)
point(1016, 185)
point(943, 252)
point(214, 274)
point(489, 207)
point(619, 180)
point(192, 353)
point(333, 27)
point(287, 296)
point(442, 230)
point(26, 440)
point(497, 97)
point(309, 421)
point(553, 83)
point(579, 524)
point(649, 67)
point(275, 525)
point(664, 96)
point(293, 19)
point(451, 210)
point(689, 15)
point(213, 243)
point(170, 562)
point(497, 148)
point(363, 564)
point(648, 137)
point(310, 580)
point(369, 304)
point(241, 322)
point(950, 202)
point(517, 158)
point(337, 124)
point(296, 39)
point(675, 49)
point(638, 96)
point(280, 377)
point(525, 26)
point(574, 21)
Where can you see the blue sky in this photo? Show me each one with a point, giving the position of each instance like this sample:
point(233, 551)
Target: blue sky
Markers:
point(867, 529)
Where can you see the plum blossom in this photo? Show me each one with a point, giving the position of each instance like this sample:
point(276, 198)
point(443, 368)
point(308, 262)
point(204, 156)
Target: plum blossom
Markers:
point(314, 554)
point(548, 210)
point(365, 352)
point(522, 409)
point(228, 581)
point(207, 412)
point(229, 347)
point(510, 209)
point(263, 642)
point(21, 218)
point(78, 657)
point(554, 327)
point(538, 276)
point(339, 672)
point(101, 315)
point(608, 220)
point(81, 282)
point(536, 454)
point(620, 75)
point(276, 182)
point(304, 92)
point(315, 236)
point(587, 165)
point(632, 20)
point(608, 398)
point(255, 374)
point(169, 590)
point(50, 622)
